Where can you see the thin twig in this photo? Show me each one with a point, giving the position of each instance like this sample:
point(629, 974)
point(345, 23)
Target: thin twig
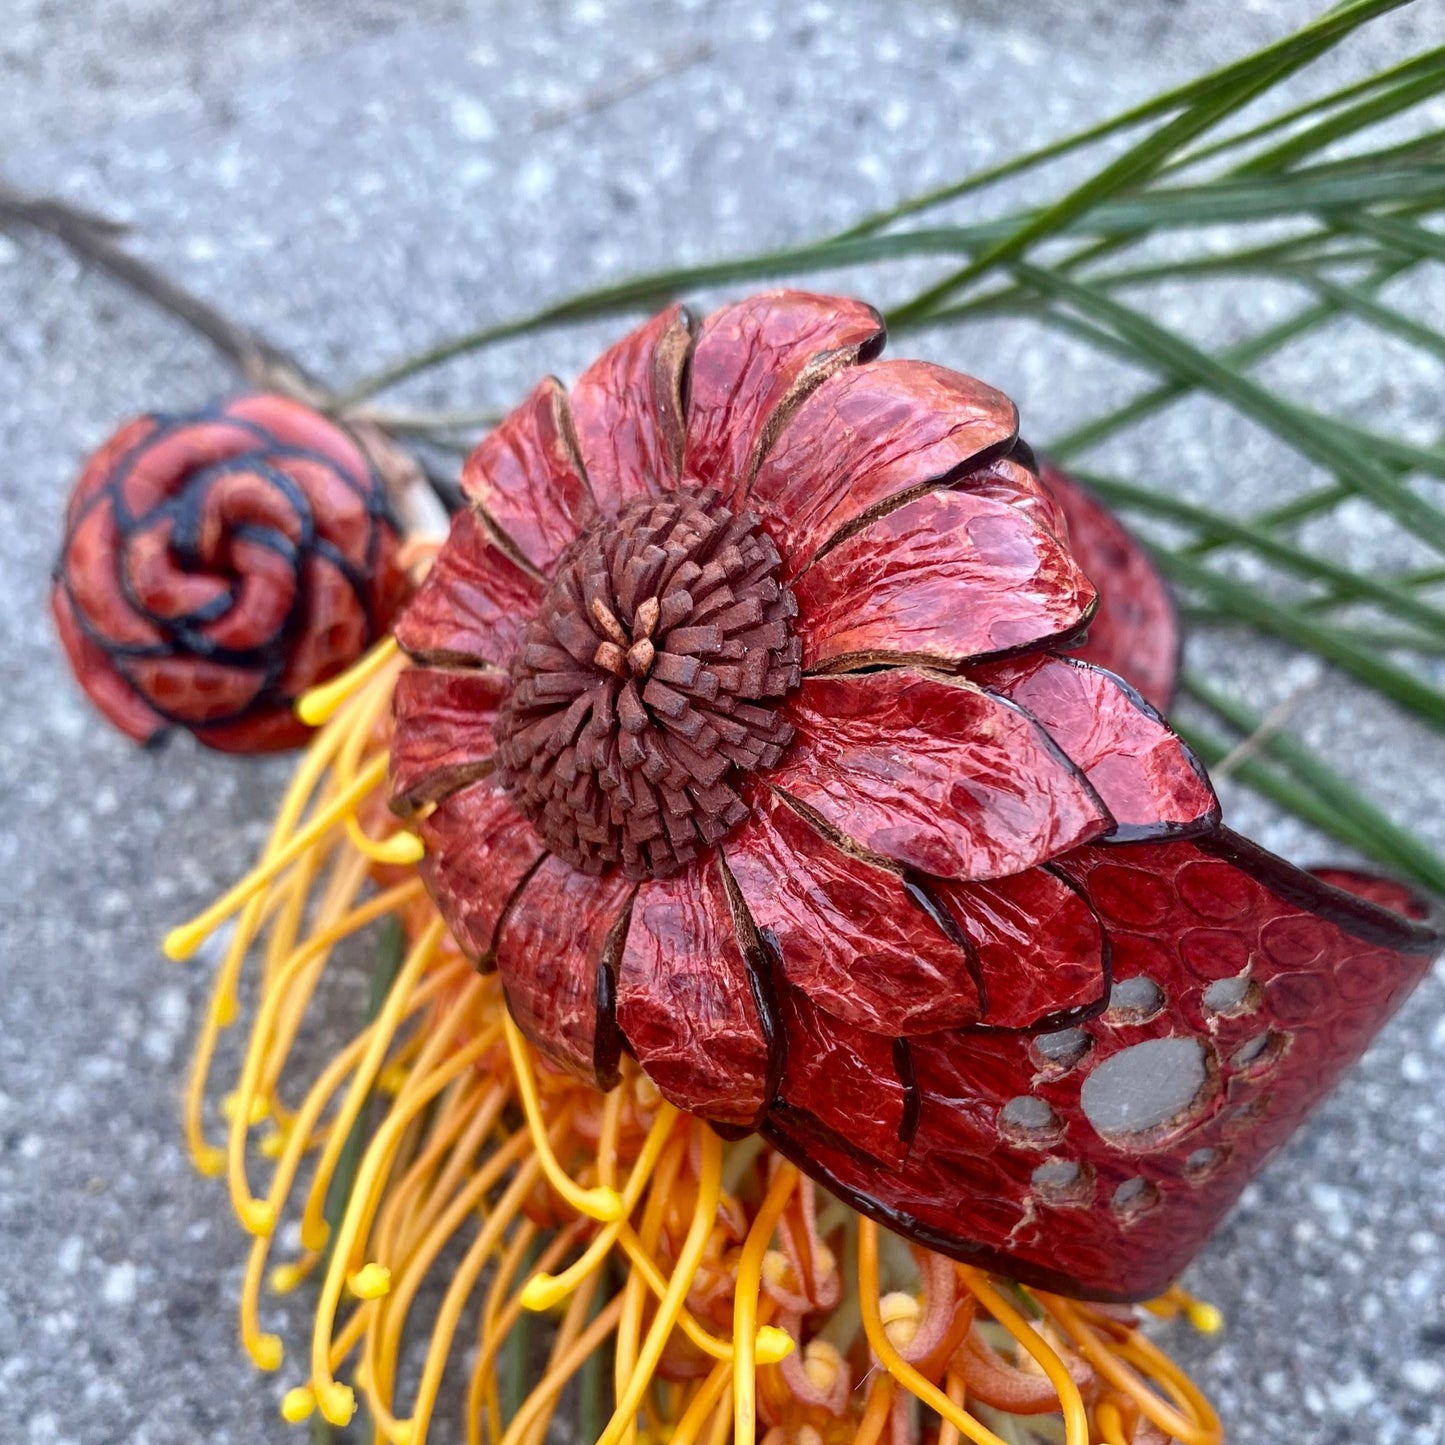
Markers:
point(598, 100)
point(1270, 724)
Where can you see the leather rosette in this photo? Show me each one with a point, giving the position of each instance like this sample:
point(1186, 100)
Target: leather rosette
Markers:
point(217, 565)
point(749, 731)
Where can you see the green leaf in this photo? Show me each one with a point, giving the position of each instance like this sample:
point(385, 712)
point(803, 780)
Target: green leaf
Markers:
point(1374, 833)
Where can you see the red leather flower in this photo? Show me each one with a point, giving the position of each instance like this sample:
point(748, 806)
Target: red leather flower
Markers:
point(217, 565)
point(750, 744)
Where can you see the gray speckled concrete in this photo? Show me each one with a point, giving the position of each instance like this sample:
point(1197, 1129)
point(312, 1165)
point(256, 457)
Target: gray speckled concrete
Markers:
point(357, 179)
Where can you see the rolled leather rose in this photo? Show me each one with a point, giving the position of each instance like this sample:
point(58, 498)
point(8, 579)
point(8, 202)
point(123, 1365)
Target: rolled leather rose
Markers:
point(749, 731)
point(218, 564)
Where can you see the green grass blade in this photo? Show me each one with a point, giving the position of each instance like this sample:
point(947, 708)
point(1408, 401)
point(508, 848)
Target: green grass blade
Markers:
point(1384, 839)
point(1319, 438)
point(1356, 585)
point(1283, 620)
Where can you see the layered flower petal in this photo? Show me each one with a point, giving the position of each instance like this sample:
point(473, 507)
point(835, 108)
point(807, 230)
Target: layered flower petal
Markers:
point(754, 364)
point(527, 477)
point(848, 931)
point(105, 682)
point(946, 577)
point(868, 436)
point(846, 1079)
point(557, 955)
point(443, 737)
point(628, 411)
point(1149, 780)
point(934, 773)
point(474, 602)
point(479, 848)
point(688, 999)
point(1041, 953)
point(1136, 629)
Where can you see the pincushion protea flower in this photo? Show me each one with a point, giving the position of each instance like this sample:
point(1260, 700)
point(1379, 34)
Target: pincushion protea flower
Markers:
point(217, 565)
point(741, 740)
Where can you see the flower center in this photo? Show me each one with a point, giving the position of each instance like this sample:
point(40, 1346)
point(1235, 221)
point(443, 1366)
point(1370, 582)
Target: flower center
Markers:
point(649, 681)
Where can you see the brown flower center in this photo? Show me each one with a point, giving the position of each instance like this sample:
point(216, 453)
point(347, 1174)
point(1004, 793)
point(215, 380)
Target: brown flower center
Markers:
point(647, 682)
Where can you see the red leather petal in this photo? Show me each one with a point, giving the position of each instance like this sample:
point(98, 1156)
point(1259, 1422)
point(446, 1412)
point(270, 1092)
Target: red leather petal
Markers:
point(162, 468)
point(1324, 969)
point(473, 604)
point(106, 687)
point(1008, 480)
point(1041, 952)
point(527, 476)
point(1148, 779)
point(846, 1079)
point(934, 773)
point(106, 462)
point(153, 579)
point(478, 849)
point(295, 425)
point(443, 735)
point(1136, 629)
point(191, 690)
point(321, 652)
point(847, 931)
point(563, 929)
point(263, 597)
point(866, 436)
point(342, 515)
point(627, 408)
point(686, 1001)
point(947, 576)
point(91, 566)
point(754, 363)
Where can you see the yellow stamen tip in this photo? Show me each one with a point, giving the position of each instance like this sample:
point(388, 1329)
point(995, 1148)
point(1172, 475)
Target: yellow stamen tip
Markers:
point(314, 1234)
point(266, 1351)
point(399, 848)
point(1208, 1319)
point(392, 1079)
point(273, 1145)
point(285, 1277)
point(337, 1403)
point(772, 1345)
point(209, 1161)
point(317, 704)
point(226, 1010)
point(180, 943)
point(257, 1110)
point(298, 1405)
point(257, 1217)
point(371, 1281)
point(543, 1291)
point(601, 1204)
point(402, 1432)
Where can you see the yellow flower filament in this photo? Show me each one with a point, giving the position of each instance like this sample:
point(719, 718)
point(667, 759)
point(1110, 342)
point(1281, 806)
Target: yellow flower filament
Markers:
point(745, 1301)
point(1199, 1427)
point(703, 1217)
point(891, 1360)
point(1076, 1421)
point(469, 1137)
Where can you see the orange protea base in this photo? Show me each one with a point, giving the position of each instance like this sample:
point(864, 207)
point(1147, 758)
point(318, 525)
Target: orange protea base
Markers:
point(721, 1293)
